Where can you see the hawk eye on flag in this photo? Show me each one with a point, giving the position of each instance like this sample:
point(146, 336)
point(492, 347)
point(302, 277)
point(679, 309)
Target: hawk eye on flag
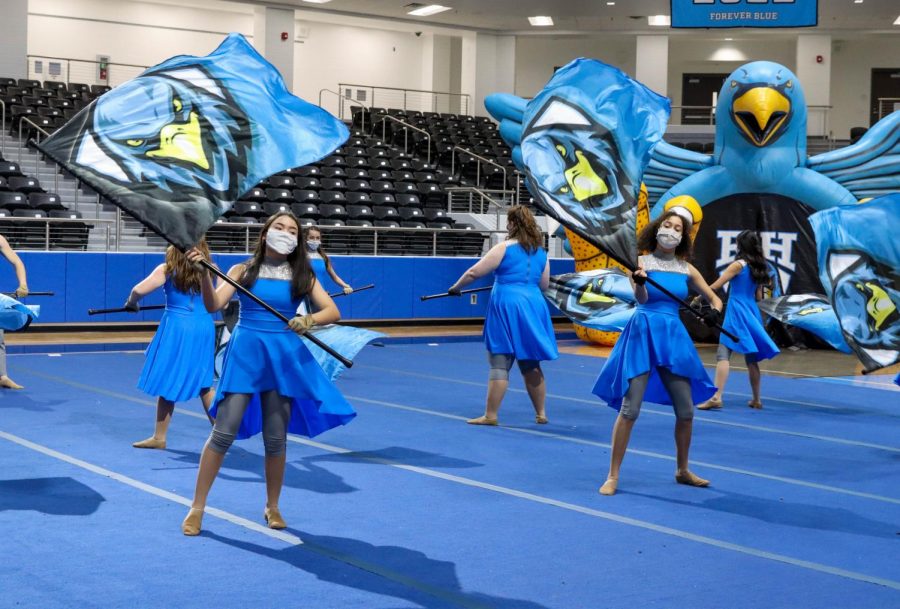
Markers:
point(176, 146)
point(810, 312)
point(587, 138)
point(859, 264)
point(601, 299)
point(14, 315)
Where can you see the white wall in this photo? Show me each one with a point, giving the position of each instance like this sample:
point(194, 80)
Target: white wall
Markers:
point(536, 56)
point(851, 74)
point(13, 38)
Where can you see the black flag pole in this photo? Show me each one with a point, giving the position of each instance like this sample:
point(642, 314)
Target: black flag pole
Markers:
point(632, 269)
point(13, 294)
point(355, 290)
point(124, 310)
point(461, 292)
point(224, 276)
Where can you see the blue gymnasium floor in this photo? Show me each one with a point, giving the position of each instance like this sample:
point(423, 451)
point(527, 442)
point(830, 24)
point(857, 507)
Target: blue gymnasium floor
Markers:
point(409, 507)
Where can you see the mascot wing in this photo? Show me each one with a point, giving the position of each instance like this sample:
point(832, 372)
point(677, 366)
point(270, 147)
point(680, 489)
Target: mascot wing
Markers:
point(669, 165)
point(509, 111)
point(871, 166)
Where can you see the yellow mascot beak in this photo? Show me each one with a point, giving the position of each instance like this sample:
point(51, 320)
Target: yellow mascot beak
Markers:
point(583, 180)
point(879, 306)
point(760, 112)
point(182, 142)
point(588, 295)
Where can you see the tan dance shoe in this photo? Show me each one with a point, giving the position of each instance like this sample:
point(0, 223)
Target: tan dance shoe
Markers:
point(192, 522)
point(274, 519)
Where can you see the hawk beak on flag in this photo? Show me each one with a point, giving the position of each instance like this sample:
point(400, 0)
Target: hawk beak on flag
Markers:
point(589, 296)
point(583, 180)
point(182, 142)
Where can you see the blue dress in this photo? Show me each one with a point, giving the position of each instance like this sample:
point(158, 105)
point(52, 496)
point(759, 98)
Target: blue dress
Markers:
point(654, 338)
point(263, 355)
point(518, 319)
point(346, 340)
point(742, 318)
point(179, 360)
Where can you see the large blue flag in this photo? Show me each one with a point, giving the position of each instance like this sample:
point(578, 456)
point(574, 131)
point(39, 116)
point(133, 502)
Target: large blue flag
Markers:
point(859, 265)
point(586, 140)
point(176, 146)
point(601, 299)
point(810, 312)
point(14, 315)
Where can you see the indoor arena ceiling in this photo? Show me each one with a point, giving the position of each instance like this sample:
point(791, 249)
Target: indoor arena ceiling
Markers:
point(574, 16)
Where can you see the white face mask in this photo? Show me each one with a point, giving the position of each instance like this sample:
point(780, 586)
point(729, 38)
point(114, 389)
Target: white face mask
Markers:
point(668, 238)
point(282, 242)
point(313, 245)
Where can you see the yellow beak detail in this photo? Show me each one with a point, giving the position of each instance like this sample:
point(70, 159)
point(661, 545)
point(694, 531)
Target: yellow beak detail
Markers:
point(880, 307)
point(588, 296)
point(760, 112)
point(811, 310)
point(583, 180)
point(182, 142)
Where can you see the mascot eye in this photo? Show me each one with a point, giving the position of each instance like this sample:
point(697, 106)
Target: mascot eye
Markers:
point(564, 190)
point(135, 143)
point(789, 84)
point(733, 84)
point(176, 103)
point(561, 149)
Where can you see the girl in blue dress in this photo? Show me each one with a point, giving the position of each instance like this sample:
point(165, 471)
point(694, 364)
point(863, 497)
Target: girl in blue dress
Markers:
point(179, 360)
point(654, 358)
point(270, 382)
point(517, 326)
point(346, 340)
point(318, 258)
point(748, 276)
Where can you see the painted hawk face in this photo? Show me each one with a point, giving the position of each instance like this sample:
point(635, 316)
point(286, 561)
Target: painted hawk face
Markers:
point(866, 296)
point(178, 133)
point(574, 162)
point(601, 298)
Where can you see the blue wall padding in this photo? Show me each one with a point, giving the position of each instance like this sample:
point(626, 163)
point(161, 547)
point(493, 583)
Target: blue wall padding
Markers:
point(85, 280)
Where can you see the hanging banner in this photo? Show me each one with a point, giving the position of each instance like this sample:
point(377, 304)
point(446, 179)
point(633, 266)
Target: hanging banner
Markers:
point(744, 13)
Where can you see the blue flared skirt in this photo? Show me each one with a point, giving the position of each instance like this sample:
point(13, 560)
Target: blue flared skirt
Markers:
point(258, 360)
point(179, 359)
point(745, 322)
point(518, 323)
point(652, 340)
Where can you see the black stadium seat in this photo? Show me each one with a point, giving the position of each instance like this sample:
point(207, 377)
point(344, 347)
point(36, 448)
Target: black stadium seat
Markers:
point(280, 195)
point(305, 210)
point(332, 211)
point(275, 207)
point(45, 202)
point(332, 196)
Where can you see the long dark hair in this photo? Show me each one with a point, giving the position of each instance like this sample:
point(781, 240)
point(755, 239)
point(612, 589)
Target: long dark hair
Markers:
point(749, 248)
point(646, 242)
point(321, 250)
point(524, 228)
point(302, 277)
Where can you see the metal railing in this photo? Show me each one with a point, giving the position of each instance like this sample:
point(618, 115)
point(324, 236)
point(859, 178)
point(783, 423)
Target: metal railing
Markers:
point(887, 105)
point(3, 127)
point(64, 69)
point(37, 166)
point(421, 100)
point(480, 160)
point(406, 127)
point(365, 240)
point(342, 100)
point(40, 233)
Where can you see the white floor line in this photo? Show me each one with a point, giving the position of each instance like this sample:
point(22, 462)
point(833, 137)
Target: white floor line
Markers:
point(634, 451)
point(153, 490)
point(710, 541)
point(644, 453)
point(642, 524)
point(706, 419)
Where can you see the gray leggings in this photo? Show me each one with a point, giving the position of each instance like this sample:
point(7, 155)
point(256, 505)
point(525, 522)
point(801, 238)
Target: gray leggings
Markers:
point(723, 354)
point(679, 389)
point(276, 412)
point(501, 364)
